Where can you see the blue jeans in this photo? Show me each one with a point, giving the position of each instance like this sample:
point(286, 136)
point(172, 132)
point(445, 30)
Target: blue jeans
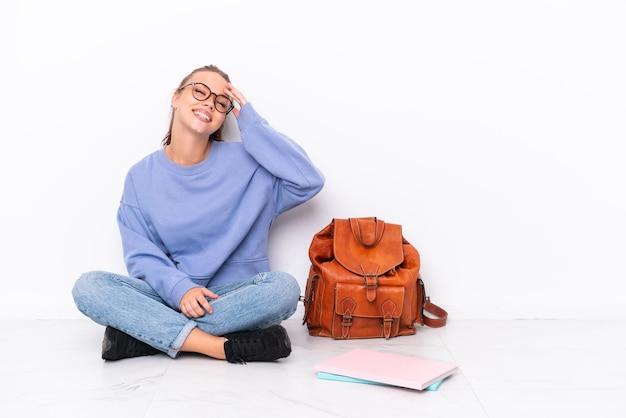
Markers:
point(132, 306)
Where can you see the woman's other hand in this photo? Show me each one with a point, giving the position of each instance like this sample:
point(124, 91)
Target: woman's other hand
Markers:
point(194, 303)
point(236, 96)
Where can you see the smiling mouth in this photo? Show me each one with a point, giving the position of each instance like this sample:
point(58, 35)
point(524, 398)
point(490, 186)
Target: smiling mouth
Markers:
point(203, 116)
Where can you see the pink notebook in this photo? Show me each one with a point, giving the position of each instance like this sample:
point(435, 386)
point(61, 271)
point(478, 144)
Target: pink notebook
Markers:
point(392, 369)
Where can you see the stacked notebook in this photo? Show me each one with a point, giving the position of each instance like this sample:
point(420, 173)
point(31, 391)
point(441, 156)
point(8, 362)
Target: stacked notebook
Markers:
point(373, 367)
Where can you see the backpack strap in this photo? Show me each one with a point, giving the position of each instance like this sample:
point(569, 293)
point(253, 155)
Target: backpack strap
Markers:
point(440, 314)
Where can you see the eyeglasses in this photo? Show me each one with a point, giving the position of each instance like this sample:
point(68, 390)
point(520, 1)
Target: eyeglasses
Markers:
point(202, 92)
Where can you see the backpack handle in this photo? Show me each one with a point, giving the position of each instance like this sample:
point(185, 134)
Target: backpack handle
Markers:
point(367, 231)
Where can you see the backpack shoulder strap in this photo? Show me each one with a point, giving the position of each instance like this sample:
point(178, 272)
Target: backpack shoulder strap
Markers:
point(441, 316)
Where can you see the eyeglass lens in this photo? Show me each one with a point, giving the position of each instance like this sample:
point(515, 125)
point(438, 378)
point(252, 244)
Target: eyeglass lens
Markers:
point(202, 92)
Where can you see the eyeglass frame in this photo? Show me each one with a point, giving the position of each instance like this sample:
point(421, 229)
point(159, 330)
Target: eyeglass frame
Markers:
point(211, 93)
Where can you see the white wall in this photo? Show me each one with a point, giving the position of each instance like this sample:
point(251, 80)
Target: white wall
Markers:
point(491, 130)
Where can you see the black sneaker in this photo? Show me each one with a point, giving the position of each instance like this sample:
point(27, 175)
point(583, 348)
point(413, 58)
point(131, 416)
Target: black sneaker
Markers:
point(117, 345)
point(267, 344)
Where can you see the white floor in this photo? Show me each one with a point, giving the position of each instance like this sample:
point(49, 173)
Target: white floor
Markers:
point(508, 369)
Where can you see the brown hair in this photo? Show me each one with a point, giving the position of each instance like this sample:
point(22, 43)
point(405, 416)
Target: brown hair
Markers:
point(215, 136)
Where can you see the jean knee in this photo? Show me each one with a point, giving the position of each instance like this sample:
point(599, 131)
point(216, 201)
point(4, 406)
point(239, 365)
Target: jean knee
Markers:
point(80, 286)
point(290, 291)
point(286, 285)
point(293, 288)
point(88, 286)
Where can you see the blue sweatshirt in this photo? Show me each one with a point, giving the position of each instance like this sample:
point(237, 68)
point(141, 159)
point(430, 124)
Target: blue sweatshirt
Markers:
point(208, 224)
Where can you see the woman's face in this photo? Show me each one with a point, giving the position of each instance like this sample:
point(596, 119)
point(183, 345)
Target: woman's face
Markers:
point(196, 104)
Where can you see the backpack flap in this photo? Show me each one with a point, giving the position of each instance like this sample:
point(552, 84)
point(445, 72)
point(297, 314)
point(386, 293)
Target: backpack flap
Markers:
point(368, 247)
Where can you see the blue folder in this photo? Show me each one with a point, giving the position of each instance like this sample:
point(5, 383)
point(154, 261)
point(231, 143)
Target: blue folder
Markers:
point(331, 376)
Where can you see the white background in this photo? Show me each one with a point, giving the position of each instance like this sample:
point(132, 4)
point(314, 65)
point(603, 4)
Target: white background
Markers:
point(491, 130)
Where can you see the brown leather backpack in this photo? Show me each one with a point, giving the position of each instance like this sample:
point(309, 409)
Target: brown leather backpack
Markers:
point(364, 282)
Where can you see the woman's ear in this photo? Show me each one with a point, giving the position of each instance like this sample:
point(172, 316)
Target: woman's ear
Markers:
point(175, 99)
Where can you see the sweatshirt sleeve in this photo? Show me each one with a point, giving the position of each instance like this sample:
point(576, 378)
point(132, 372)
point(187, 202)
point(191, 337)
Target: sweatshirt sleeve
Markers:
point(298, 179)
point(145, 255)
